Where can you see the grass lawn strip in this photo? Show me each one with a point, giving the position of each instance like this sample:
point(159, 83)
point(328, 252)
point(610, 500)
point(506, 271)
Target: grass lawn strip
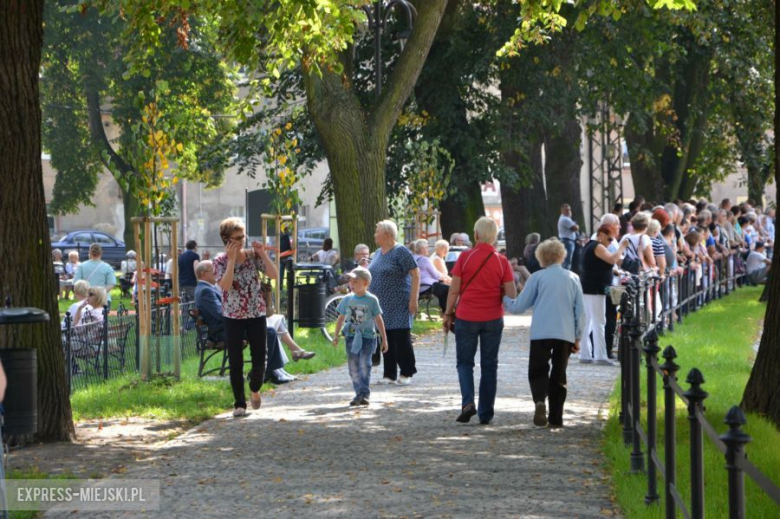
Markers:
point(718, 340)
point(192, 398)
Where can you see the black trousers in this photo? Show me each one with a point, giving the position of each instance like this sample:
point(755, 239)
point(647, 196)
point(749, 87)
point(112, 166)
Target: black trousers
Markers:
point(400, 354)
point(547, 383)
point(254, 330)
point(274, 358)
point(609, 330)
point(441, 291)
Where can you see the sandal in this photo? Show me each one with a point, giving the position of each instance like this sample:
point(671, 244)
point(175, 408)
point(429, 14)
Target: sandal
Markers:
point(302, 354)
point(466, 414)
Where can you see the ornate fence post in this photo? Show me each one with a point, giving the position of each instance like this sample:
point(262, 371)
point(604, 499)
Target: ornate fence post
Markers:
point(670, 429)
point(105, 342)
point(696, 396)
point(735, 440)
point(651, 352)
point(637, 459)
point(628, 318)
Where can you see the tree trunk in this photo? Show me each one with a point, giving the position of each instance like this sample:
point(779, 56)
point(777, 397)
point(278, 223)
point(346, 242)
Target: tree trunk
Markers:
point(762, 393)
point(355, 140)
point(563, 168)
point(525, 206)
point(131, 208)
point(26, 271)
point(757, 177)
point(459, 215)
point(645, 175)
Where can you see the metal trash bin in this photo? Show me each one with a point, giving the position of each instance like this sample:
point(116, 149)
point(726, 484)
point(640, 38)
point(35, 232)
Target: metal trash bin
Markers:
point(311, 282)
point(21, 370)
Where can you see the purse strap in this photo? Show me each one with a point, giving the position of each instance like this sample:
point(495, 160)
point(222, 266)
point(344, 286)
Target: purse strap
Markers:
point(475, 274)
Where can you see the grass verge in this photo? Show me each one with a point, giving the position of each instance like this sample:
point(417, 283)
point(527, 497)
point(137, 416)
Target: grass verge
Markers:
point(192, 398)
point(718, 340)
point(31, 474)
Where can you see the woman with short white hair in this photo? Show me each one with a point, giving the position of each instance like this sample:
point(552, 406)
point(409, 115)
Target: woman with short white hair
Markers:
point(91, 309)
point(396, 283)
point(478, 279)
point(439, 256)
point(555, 294)
point(431, 280)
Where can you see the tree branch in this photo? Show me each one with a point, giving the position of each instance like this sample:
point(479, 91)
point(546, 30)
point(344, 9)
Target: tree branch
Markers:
point(407, 70)
point(98, 133)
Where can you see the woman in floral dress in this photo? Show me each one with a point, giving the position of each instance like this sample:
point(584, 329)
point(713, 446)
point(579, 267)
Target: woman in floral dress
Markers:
point(243, 308)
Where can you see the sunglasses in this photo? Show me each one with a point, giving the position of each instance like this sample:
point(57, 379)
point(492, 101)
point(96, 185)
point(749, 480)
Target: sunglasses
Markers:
point(238, 238)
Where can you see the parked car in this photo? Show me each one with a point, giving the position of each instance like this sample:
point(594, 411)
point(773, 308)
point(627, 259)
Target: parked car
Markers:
point(310, 241)
point(501, 239)
point(113, 249)
point(452, 256)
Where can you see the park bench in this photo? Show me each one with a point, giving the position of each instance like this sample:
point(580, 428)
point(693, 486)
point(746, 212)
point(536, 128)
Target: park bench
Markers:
point(88, 341)
point(207, 348)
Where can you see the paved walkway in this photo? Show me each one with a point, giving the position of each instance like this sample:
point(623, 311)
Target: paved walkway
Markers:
point(305, 453)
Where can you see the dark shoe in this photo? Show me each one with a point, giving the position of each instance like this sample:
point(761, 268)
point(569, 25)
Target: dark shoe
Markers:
point(555, 425)
point(540, 416)
point(611, 356)
point(466, 414)
point(364, 401)
point(355, 401)
point(484, 421)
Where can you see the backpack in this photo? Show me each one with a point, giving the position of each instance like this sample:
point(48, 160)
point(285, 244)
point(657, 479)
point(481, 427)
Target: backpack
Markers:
point(631, 262)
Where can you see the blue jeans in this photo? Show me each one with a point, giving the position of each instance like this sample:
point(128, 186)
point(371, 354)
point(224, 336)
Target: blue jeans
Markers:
point(569, 245)
point(488, 333)
point(360, 366)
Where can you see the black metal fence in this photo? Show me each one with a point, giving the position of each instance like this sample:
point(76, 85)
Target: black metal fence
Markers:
point(98, 349)
point(648, 307)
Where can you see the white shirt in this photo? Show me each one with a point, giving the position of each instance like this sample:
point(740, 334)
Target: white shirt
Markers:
point(755, 261)
point(564, 228)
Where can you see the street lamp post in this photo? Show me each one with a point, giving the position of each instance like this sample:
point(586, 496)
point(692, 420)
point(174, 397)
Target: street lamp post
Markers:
point(377, 16)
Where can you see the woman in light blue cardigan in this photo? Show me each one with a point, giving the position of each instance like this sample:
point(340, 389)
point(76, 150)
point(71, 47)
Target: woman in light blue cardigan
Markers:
point(558, 320)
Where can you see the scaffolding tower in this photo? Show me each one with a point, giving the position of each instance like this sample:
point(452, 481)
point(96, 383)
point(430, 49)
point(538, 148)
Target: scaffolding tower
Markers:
point(605, 166)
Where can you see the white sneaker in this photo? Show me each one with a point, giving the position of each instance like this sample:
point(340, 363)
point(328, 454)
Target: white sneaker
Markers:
point(384, 381)
point(239, 411)
point(404, 381)
point(287, 375)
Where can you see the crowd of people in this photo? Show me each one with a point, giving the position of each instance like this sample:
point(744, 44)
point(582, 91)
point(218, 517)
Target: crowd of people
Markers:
point(565, 279)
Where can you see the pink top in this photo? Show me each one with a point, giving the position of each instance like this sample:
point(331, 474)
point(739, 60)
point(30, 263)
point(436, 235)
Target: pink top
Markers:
point(244, 300)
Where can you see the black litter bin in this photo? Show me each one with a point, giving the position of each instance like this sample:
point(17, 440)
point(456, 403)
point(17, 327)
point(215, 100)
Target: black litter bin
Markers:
point(312, 281)
point(21, 370)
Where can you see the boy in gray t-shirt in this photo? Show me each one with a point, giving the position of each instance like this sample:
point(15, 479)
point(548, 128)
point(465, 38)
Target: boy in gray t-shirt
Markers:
point(360, 316)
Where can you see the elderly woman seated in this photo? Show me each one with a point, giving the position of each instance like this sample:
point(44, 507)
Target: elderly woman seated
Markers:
point(431, 280)
point(91, 309)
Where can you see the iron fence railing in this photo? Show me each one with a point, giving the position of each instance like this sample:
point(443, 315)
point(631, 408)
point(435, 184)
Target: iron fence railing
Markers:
point(648, 306)
point(100, 349)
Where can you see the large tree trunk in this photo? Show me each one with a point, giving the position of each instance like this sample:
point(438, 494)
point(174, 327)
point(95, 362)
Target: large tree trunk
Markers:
point(439, 92)
point(131, 208)
point(26, 272)
point(525, 206)
point(762, 393)
point(563, 168)
point(645, 175)
point(355, 140)
point(459, 215)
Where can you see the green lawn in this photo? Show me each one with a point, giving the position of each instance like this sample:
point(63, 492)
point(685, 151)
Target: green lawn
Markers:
point(193, 398)
point(718, 340)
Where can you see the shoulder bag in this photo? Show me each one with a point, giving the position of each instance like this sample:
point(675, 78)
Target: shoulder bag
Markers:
point(463, 290)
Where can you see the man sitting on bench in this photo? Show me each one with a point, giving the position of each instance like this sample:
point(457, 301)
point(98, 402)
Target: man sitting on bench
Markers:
point(208, 301)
